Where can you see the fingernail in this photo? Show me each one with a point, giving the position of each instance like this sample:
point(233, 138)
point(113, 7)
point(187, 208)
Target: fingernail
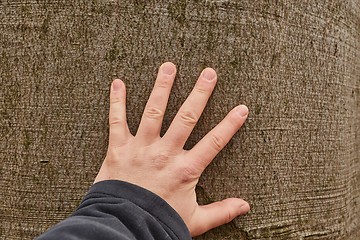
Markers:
point(209, 74)
point(116, 85)
point(245, 208)
point(242, 110)
point(168, 68)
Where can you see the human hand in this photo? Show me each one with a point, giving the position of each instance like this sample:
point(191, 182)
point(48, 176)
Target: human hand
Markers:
point(160, 164)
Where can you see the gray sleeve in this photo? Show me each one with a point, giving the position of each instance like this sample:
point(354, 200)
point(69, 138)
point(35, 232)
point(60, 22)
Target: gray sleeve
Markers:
point(119, 210)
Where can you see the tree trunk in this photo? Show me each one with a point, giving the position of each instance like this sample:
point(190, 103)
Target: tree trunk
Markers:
point(295, 64)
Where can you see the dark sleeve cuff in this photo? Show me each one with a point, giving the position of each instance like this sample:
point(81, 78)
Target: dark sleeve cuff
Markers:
point(118, 191)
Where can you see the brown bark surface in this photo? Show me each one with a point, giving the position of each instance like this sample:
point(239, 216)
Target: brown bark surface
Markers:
point(295, 64)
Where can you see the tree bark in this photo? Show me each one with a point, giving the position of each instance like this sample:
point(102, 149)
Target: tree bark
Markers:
point(295, 64)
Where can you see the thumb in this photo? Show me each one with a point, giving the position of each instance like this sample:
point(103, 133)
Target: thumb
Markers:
point(215, 214)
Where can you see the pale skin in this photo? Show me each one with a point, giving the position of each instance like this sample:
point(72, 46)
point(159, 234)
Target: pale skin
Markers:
point(160, 164)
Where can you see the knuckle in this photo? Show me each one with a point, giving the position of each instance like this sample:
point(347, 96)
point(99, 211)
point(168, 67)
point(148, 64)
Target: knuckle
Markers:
point(189, 118)
point(116, 120)
point(163, 83)
point(226, 210)
point(115, 99)
point(227, 216)
point(111, 158)
point(217, 142)
point(153, 113)
point(188, 174)
point(160, 161)
point(201, 90)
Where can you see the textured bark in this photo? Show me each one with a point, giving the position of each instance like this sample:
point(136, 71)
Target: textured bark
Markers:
point(294, 63)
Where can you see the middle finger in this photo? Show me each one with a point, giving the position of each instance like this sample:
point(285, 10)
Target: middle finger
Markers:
point(191, 110)
point(150, 125)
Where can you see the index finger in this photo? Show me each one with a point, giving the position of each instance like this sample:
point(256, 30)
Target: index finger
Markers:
point(213, 142)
